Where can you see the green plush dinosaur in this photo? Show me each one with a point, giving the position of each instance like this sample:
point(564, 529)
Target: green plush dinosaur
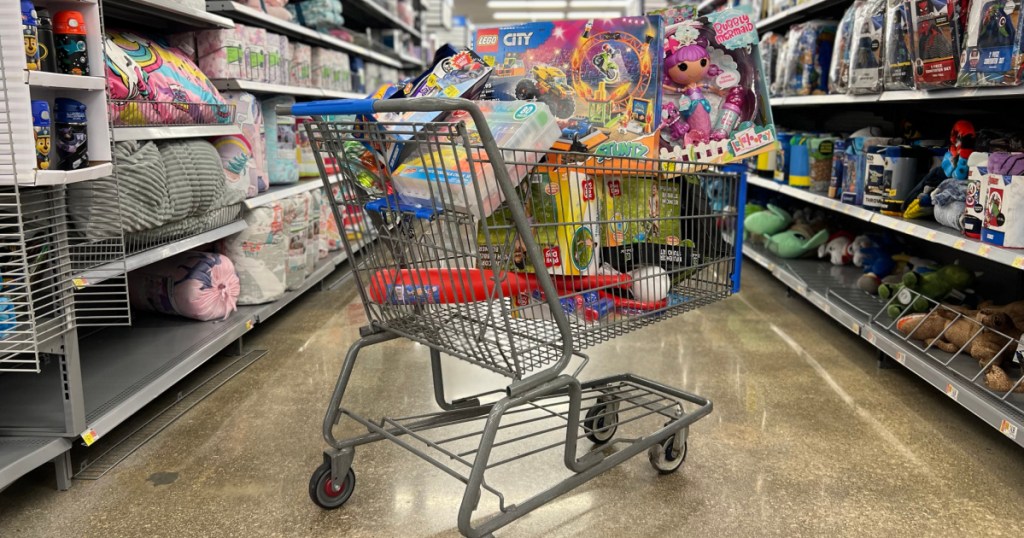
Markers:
point(796, 242)
point(936, 286)
point(768, 222)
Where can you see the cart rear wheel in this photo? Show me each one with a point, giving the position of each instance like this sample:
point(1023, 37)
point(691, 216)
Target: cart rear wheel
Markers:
point(327, 494)
point(601, 422)
point(664, 456)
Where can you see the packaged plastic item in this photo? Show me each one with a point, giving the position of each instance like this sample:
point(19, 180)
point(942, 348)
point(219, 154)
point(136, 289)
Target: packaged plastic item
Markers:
point(255, 41)
point(867, 53)
point(72, 136)
point(307, 161)
point(245, 155)
point(604, 73)
point(808, 57)
point(30, 31)
point(644, 226)
point(891, 174)
point(69, 35)
point(222, 53)
point(783, 158)
point(992, 49)
point(977, 182)
point(779, 79)
point(1004, 201)
point(41, 129)
point(715, 103)
point(835, 181)
point(934, 53)
point(799, 162)
point(899, 68)
point(197, 285)
point(855, 167)
point(771, 47)
point(301, 64)
point(282, 164)
point(260, 254)
point(322, 15)
point(522, 125)
point(839, 70)
point(47, 49)
point(564, 205)
point(820, 150)
point(297, 220)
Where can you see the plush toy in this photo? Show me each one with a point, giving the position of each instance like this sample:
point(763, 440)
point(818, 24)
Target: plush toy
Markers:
point(859, 246)
point(795, 242)
point(838, 249)
point(974, 331)
point(936, 285)
point(962, 140)
point(771, 221)
point(949, 200)
point(878, 264)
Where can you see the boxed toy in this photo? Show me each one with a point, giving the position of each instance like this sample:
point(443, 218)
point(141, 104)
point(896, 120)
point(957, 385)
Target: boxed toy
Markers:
point(835, 180)
point(715, 101)
point(820, 150)
point(1004, 200)
point(935, 56)
point(782, 158)
point(855, 165)
point(839, 69)
point(866, 51)
point(899, 69)
point(771, 49)
point(892, 172)
point(808, 57)
point(446, 176)
point(595, 75)
point(992, 50)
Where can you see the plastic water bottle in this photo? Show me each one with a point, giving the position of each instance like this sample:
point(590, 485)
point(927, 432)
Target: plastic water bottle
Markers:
point(72, 136)
point(41, 129)
point(47, 52)
point(69, 32)
point(30, 30)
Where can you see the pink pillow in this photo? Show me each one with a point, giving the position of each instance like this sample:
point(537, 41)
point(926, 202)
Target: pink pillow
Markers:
point(197, 285)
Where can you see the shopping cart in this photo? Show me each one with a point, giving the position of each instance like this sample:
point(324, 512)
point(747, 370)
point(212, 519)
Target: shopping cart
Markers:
point(457, 272)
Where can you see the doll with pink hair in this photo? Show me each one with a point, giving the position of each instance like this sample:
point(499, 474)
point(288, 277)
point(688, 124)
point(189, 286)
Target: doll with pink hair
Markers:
point(687, 66)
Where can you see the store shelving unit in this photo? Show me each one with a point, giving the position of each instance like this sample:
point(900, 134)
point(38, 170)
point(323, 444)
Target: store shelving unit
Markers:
point(163, 132)
point(265, 88)
point(369, 14)
point(164, 13)
point(247, 15)
point(279, 192)
point(19, 455)
point(901, 96)
point(800, 12)
point(828, 288)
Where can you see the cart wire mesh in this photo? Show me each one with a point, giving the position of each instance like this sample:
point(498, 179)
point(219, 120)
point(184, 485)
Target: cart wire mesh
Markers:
point(627, 242)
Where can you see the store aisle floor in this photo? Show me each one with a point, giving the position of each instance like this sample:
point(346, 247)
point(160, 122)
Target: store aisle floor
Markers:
point(808, 438)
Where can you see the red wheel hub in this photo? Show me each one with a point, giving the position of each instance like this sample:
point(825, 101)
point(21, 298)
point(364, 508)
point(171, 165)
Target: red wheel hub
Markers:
point(329, 488)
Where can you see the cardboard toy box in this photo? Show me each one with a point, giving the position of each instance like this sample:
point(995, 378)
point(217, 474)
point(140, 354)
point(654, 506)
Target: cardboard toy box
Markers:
point(597, 76)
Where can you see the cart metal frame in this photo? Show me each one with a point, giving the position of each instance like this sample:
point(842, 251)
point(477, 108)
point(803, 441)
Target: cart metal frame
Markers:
point(541, 395)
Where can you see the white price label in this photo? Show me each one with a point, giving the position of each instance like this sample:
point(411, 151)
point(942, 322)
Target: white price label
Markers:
point(951, 391)
point(1008, 429)
point(870, 336)
point(901, 357)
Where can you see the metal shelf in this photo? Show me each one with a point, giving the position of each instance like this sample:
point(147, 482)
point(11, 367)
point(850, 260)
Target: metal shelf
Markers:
point(255, 17)
point(362, 14)
point(163, 132)
point(901, 96)
point(337, 94)
point(45, 79)
point(922, 229)
point(125, 368)
point(62, 177)
point(829, 288)
point(795, 14)
point(279, 192)
point(20, 455)
point(147, 257)
point(267, 88)
point(155, 12)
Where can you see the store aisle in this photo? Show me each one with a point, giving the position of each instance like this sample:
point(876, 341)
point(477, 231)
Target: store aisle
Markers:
point(807, 438)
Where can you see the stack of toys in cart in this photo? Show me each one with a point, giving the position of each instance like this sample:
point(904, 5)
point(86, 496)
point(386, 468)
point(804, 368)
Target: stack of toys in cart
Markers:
point(918, 297)
point(900, 45)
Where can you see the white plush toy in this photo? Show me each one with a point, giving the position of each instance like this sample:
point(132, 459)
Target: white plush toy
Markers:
point(650, 284)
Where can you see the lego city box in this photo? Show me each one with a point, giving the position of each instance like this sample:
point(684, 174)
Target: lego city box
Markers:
point(601, 78)
point(714, 105)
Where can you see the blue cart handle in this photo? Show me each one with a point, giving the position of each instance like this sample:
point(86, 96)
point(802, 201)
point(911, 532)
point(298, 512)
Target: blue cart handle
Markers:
point(334, 107)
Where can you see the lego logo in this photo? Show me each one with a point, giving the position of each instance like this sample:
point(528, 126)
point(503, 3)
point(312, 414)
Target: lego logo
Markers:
point(487, 40)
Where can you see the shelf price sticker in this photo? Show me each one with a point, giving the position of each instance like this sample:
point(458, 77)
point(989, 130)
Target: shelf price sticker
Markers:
point(869, 336)
point(951, 391)
point(1018, 262)
point(89, 436)
point(931, 235)
point(959, 244)
point(901, 357)
point(79, 283)
point(983, 250)
point(249, 324)
point(1008, 429)
point(909, 228)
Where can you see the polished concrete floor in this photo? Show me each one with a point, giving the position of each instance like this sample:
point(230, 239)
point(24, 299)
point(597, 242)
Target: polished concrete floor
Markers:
point(808, 438)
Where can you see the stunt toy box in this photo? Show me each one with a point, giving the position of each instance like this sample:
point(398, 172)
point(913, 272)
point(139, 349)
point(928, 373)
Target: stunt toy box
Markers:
point(600, 77)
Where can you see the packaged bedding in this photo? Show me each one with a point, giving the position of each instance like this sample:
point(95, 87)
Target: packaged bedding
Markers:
point(260, 253)
point(197, 285)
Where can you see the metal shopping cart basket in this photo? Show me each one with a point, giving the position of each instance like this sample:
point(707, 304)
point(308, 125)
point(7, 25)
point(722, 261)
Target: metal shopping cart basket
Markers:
point(518, 277)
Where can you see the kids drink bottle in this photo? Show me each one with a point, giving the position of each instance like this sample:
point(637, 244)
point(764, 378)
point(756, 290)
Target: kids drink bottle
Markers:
point(729, 117)
point(30, 29)
point(69, 31)
point(41, 130)
point(47, 54)
point(72, 139)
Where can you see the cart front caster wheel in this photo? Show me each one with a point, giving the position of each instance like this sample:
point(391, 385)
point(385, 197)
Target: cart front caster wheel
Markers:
point(601, 423)
point(665, 458)
point(327, 494)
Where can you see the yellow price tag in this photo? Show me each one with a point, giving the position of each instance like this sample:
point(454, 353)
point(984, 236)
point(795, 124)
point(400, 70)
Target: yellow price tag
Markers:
point(432, 81)
point(1008, 429)
point(451, 91)
point(909, 228)
point(959, 244)
point(931, 235)
point(249, 324)
point(89, 436)
point(1018, 262)
point(79, 283)
point(983, 250)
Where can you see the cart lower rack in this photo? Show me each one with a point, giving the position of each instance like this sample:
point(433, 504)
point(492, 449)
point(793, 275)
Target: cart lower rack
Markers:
point(515, 261)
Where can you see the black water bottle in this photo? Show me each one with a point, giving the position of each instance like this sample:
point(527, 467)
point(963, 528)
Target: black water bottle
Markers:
point(47, 54)
point(72, 138)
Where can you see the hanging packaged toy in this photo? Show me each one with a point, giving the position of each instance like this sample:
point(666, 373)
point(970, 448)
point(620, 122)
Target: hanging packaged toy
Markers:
point(839, 69)
point(778, 87)
point(715, 99)
point(866, 51)
point(992, 50)
point(899, 70)
point(935, 56)
point(771, 47)
point(808, 57)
